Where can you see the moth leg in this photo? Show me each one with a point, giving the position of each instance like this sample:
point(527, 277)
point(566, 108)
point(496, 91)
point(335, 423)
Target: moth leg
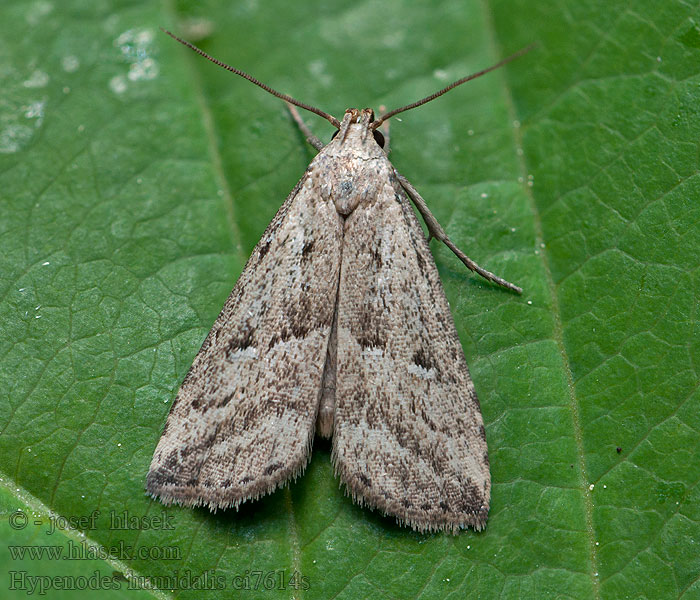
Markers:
point(438, 233)
point(385, 131)
point(310, 137)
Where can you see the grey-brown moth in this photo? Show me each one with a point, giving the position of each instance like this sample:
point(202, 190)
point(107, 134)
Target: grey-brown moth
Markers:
point(339, 326)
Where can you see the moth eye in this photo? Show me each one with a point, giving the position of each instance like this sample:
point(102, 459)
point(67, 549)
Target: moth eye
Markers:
point(379, 138)
point(335, 133)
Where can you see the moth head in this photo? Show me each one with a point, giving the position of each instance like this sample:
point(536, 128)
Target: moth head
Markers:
point(363, 117)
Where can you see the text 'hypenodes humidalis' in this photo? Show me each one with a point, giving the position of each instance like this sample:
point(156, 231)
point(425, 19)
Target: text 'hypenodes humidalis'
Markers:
point(338, 325)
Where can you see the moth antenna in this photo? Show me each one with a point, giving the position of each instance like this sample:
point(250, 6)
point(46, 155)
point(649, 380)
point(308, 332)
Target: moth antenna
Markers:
point(252, 79)
point(454, 84)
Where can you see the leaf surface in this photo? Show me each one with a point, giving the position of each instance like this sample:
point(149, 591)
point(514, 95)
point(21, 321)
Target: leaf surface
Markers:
point(135, 178)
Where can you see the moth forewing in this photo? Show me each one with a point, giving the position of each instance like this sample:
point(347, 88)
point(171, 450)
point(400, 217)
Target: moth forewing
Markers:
point(337, 325)
point(242, 423)
point(408, 437)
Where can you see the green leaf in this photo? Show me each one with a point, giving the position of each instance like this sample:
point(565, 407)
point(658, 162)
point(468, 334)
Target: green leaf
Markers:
point(135, 178)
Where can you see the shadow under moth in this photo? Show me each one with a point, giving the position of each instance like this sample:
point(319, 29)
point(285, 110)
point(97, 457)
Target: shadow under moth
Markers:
point(337, 326)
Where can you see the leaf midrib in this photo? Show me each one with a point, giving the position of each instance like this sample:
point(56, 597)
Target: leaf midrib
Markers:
point(37, 507)
point(557, 330)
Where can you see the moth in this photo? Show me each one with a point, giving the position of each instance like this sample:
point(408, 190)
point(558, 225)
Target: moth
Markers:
point(337, 326)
